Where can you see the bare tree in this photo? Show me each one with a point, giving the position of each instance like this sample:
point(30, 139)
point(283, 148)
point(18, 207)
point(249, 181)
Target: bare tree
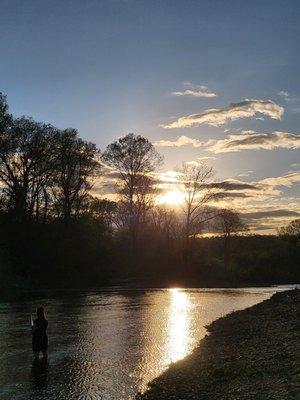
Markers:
point(134, 158)
point(195, 182)
point(144, 202)
point(165, 223)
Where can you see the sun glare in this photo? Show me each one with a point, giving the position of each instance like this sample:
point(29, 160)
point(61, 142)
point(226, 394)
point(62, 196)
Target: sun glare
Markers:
point(173, 197)
point(178, 325)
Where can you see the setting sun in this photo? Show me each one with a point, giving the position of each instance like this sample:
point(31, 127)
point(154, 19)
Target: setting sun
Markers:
point(172, 197)
point(149, 189)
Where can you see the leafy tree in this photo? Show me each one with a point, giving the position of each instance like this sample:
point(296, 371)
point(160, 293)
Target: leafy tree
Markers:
point(77, 165)
point(26, 164)
point(5, 117)
point(291, 231)
point(103, 209)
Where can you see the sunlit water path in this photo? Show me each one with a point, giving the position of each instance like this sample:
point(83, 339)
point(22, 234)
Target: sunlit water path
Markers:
point(107, 344)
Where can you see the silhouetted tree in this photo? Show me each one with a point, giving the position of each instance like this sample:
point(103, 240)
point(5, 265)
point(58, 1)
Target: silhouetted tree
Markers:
point(144, 202)
point(165, 224)
point(102, 209)
point(77, 165)
point(26, 165)
point(5, 117)
point(291, 231)
point(134, 158)
point(228, 223)
point(47, 174)
point(195, 182)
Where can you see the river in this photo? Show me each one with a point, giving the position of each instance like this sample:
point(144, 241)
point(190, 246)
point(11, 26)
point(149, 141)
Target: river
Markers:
point(107, 344)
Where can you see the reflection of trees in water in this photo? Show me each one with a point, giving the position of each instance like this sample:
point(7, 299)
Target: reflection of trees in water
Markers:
point(40, 373)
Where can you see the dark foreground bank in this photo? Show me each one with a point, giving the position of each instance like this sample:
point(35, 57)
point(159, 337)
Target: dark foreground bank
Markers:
point(250, 354)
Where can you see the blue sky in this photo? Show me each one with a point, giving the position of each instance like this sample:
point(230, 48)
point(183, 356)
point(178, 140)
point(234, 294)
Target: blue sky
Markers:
point(112, 67)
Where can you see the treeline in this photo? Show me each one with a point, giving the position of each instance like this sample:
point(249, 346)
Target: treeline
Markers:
point(54, 230)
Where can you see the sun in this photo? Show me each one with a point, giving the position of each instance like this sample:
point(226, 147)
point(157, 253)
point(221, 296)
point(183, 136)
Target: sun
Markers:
point(173, 197)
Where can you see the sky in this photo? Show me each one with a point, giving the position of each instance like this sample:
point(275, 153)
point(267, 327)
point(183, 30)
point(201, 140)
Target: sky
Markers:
point(214, 80)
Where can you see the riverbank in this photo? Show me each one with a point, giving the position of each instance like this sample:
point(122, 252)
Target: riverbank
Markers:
point(249, 354)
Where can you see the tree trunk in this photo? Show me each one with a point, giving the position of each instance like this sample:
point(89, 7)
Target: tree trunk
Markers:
point(227, 252)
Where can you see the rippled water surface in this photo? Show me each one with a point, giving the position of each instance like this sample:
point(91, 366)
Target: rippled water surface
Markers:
point(107, 344)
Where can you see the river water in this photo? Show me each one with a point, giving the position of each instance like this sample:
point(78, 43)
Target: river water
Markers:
point(107, 344)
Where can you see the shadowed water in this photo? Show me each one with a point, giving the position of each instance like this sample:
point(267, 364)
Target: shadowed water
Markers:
point(107, 344)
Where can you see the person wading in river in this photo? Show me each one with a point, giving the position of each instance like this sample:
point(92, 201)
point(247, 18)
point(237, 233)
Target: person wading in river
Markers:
point(39, 333)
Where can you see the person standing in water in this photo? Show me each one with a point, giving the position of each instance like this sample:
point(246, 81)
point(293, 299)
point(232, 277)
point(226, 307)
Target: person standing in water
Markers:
point(39, 333)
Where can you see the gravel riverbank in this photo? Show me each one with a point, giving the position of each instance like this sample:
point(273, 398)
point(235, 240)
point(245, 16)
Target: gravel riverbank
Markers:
point(249, 354)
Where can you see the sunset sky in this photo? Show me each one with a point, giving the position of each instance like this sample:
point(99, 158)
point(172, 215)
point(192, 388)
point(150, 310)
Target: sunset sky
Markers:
point(213, 80)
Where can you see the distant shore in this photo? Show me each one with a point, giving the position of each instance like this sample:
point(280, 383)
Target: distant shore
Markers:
point(249, 354)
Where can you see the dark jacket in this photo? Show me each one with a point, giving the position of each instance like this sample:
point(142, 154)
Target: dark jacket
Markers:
point(39, 335)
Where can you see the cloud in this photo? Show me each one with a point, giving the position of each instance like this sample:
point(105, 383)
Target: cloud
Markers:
point(167, 176)
point(104, 189)
point(262, 203)
point(179, 142)
point(234, 184)
point(216, 117)
point(250, 140)
point(287, 96)
point(195, 91)
point(245, 174)
point(287, 180)
point(113, 175)
point(272, 188)
point(200, 160)
point(283, 93)
point(206, 158)
point(271, 214)
point(224, 195)
point(268, 220)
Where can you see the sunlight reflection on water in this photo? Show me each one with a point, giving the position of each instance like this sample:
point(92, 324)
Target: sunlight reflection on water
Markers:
point(107, 344)
point(179, 329)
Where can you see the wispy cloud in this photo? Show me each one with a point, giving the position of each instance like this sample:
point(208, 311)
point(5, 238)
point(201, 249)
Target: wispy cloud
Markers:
point(287, 96)
point(220, 116)
point(179, 142)
point(271, 214)
point(267, 221)
point(245, 174)
point(235, 184)
point(283, 93)
point(264, 204)
point(206, 158)
point(195, 91)
point(287, 180)
point(232, 195)
point(250, 140)
point(200, 160)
